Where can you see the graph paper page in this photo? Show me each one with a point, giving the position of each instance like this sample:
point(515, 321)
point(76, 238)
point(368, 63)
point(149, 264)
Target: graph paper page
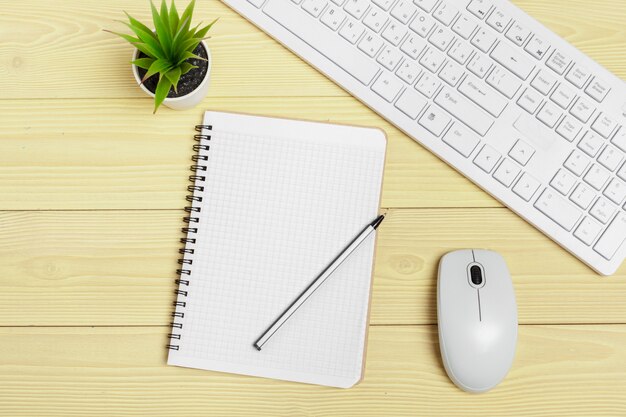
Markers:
point(281, 199)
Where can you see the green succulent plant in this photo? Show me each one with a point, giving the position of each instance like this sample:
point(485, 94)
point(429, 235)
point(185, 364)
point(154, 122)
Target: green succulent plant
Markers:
point(168, 48)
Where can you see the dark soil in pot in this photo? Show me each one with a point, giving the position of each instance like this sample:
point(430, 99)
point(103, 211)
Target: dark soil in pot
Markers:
point(188, 82)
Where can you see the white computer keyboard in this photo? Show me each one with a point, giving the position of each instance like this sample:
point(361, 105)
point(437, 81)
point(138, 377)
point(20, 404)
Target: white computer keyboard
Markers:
point(498, 96)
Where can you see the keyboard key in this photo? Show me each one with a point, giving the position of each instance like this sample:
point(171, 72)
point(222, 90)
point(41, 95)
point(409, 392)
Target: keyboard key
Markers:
point(434, 120)
point(583, 196)
point(549, 114)
point(460, 52)
point(619, 139)
point(461, 139)
point(543, 82)
point(370, 44)
point(412, 46)
point(337, 2)
point(591, 143)
point(483, 95)
point(441, 38)
point(602, 210)
point(498, 20)
point(503, 81)
point(596, 176)
point(445, 13)
point(506, 173)
point(526, 186)
point(411, 103)
point(394, 33)
point(517, 34)
point(604, 125)
point(622, 172)
point(314, 7)
point(487, 158)
point(375, 19)
point(389, 57)
point(521, 152)
point(578, 75)
point(422, 24)
point(464, 110)
point(582, 110)
point(351, 32)
point(558, 209)
point(356, 8)
point(387, 86)
point(597, 89)
point(319, 37)
point(384, 4)
point(610, 158)
point(426, 5)
point(558, 62)
point(256, 3)
point(333, 17)
point(408, 71)
point(569, 128)
point(563, 96)
point(530, 100)
point(428, 84)
point(483, 39)
point(464, 27)
point(432, 60)
point(616, 191)
point(577, 162)
point(613, 237)
point(512, 60)
point(587, 231)
point(479, 8)
point(403, 11)
point(563, 181)
point(479, 65)
point(537, 47)
point(451, 73)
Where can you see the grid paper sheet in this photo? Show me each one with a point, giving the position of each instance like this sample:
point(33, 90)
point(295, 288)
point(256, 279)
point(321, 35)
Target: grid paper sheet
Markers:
point(282, 198)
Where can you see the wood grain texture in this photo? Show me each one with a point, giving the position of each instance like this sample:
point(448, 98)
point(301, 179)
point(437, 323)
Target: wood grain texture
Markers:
point(53, 52)
point(77, 135)
point(115, 154)
point(117, 268)
point(558, 371)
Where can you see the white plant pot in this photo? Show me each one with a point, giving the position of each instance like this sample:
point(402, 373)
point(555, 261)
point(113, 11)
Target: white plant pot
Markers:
point(184, 102)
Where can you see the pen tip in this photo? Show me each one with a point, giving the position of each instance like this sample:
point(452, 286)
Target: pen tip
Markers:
point(257, 347)
point(378, 221)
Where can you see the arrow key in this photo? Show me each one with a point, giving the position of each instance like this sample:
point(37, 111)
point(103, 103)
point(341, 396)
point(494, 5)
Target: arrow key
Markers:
point(487, 158)
point(526, 186)
point(521, 152)
point(506, 173)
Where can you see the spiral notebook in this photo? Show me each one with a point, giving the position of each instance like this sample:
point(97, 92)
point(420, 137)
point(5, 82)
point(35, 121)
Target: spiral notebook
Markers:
point(274, 202)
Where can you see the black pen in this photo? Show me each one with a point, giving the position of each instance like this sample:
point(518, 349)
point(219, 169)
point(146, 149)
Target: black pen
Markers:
point(317, 282)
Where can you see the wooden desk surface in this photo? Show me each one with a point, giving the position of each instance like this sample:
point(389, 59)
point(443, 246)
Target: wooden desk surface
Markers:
point(92, 187)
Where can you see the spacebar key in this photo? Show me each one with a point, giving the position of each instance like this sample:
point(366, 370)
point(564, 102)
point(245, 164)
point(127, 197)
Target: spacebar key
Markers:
point(322, 39)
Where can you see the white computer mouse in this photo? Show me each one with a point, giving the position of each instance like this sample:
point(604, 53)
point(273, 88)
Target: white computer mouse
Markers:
point(477, 317)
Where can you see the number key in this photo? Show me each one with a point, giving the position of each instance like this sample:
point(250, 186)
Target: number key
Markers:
point(577, 162)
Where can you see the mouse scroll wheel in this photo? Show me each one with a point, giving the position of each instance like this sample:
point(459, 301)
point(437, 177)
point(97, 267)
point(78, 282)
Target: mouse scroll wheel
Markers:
point(476, 275)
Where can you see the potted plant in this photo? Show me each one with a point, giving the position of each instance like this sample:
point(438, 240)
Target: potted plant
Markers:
point(171, 63)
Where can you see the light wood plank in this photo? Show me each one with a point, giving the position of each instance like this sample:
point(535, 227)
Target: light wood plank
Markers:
point(118, 267)
point(558, 371)
point(49, 51)
point(114, 154)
